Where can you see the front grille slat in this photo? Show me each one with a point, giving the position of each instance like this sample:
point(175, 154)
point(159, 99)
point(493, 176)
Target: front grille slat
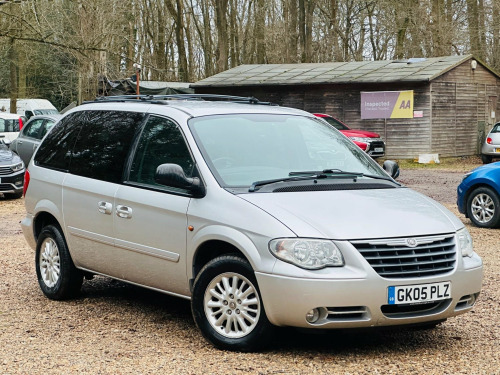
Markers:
point(5, 170)
point(400, 248)
point(420, 255)
point(419, 272)
point(429, 255)
point(410, 264)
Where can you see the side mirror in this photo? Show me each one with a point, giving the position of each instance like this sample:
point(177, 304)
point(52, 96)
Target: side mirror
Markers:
point(173, 175)
point(5, 141)
point(392, 168)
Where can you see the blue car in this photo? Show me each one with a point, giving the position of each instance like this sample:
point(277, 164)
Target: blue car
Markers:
point(478, 196)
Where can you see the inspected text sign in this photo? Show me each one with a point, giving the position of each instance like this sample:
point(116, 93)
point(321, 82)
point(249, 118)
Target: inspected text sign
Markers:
point(387, 104)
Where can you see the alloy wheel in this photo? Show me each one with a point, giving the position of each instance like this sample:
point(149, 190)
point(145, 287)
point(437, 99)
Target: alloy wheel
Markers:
point(232, 305)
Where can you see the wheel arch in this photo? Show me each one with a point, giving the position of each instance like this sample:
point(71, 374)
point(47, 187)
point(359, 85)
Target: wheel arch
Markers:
point(41, 220)
point(214, 241)
point(474, 187)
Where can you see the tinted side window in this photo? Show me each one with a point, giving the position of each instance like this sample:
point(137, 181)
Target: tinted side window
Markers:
point(103, 144)
point(33, 129)
point(161, 142)
point(46, 127)
point(9, 125)
point(55, 151)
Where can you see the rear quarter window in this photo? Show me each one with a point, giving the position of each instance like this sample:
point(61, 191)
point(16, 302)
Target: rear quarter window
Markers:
point(103, 144)
point(55, 150)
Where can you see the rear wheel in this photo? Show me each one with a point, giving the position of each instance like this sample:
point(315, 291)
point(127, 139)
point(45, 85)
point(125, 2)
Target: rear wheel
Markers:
point(486, 159)
point(227, 306)
point(57, 276)
point(483, 207)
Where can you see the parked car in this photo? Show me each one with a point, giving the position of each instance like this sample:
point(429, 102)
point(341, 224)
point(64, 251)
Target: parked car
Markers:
point(491, 146)
point(257, 214)
point(30, 107)
point(31, 135)
point(10, 125)
point(11, 171)
point(369, 142)
point(479, 196)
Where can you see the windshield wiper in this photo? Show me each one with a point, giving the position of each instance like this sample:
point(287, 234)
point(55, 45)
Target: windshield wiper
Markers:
point(326, 172)
point(308, 176)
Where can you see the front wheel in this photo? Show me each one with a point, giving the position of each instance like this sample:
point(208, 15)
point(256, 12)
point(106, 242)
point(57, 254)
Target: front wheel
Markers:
point(57, 276)
point(483, 207)
point(227, 306)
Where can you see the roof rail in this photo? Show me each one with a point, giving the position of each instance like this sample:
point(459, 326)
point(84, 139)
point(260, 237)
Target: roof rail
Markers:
point(160, 99)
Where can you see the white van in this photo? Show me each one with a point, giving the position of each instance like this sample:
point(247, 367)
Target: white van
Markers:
point(30, 107)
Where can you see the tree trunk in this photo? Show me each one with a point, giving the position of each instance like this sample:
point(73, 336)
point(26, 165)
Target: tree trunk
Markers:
point(222, 38)
point(260, 30)
point(473, 21)
point(293, 37)
point(13, 76)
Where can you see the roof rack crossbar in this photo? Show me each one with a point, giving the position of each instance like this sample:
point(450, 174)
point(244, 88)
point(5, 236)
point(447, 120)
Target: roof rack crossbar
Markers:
point(158, 98)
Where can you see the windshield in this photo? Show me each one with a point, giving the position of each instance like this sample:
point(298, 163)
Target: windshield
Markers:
point(337, 124)
point(496, 128)
point(241, 149)
point(46, 111)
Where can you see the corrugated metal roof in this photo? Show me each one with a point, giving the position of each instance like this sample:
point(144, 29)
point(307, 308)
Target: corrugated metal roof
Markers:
point(412, 70)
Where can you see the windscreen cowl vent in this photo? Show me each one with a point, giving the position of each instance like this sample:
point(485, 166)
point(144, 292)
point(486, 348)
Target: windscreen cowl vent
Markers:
point(327, 187)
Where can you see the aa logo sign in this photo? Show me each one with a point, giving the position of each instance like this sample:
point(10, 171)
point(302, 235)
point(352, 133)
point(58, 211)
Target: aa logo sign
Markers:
point(387, 104)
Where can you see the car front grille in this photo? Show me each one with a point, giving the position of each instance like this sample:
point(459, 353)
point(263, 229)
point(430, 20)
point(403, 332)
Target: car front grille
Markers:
point(5, 171)
point(409, 257)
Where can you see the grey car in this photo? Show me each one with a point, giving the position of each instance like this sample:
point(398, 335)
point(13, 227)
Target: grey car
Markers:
point(11, 171)
point(259, 215)
point(491, 146)
point(31, 135)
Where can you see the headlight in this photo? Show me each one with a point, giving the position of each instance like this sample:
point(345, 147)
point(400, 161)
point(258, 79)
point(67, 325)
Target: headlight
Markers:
point(466, 175)
point(17, 167)
point(465, 242)
point(361, 139)
point(307, 253)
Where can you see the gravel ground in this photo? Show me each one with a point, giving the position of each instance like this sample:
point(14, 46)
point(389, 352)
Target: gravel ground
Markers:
point(115, 328)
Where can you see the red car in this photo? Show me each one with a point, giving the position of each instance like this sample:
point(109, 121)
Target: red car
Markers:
point(369, 142)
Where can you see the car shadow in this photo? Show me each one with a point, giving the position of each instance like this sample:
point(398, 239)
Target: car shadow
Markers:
point(161, 308)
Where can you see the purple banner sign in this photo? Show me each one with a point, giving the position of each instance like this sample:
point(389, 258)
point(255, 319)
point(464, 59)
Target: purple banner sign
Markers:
point(387, 104)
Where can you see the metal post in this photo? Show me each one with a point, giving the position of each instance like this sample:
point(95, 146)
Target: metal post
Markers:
point(137, 74)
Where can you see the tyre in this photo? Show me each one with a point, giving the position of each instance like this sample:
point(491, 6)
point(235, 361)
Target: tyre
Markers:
point(486, 159)
point(227, 306)
point(58, 277)
point(483, 207)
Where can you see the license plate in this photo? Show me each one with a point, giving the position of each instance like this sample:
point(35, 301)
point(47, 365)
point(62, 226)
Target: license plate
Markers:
point(419, 293)
point(497, 150)
point(378, 149)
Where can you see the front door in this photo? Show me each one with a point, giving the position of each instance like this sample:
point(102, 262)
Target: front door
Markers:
point(151, 219)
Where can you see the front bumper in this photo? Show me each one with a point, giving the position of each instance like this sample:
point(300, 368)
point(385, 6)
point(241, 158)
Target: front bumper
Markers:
point(363, 302)
point(12, 183)
point(376, 148)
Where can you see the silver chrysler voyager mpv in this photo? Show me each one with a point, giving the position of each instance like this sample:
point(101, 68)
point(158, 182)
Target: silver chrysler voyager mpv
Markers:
point(261, 215)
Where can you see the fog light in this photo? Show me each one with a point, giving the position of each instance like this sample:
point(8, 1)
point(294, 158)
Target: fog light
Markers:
point(312, 316)
point(19, 183)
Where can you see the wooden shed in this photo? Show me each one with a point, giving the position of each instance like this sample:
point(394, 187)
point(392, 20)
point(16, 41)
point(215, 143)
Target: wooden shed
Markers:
point(455, 98)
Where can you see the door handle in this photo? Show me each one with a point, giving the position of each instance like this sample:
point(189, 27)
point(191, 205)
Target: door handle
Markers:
point(123, 211)
point(105, 207)
point(20, 142)
point(35, 146)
